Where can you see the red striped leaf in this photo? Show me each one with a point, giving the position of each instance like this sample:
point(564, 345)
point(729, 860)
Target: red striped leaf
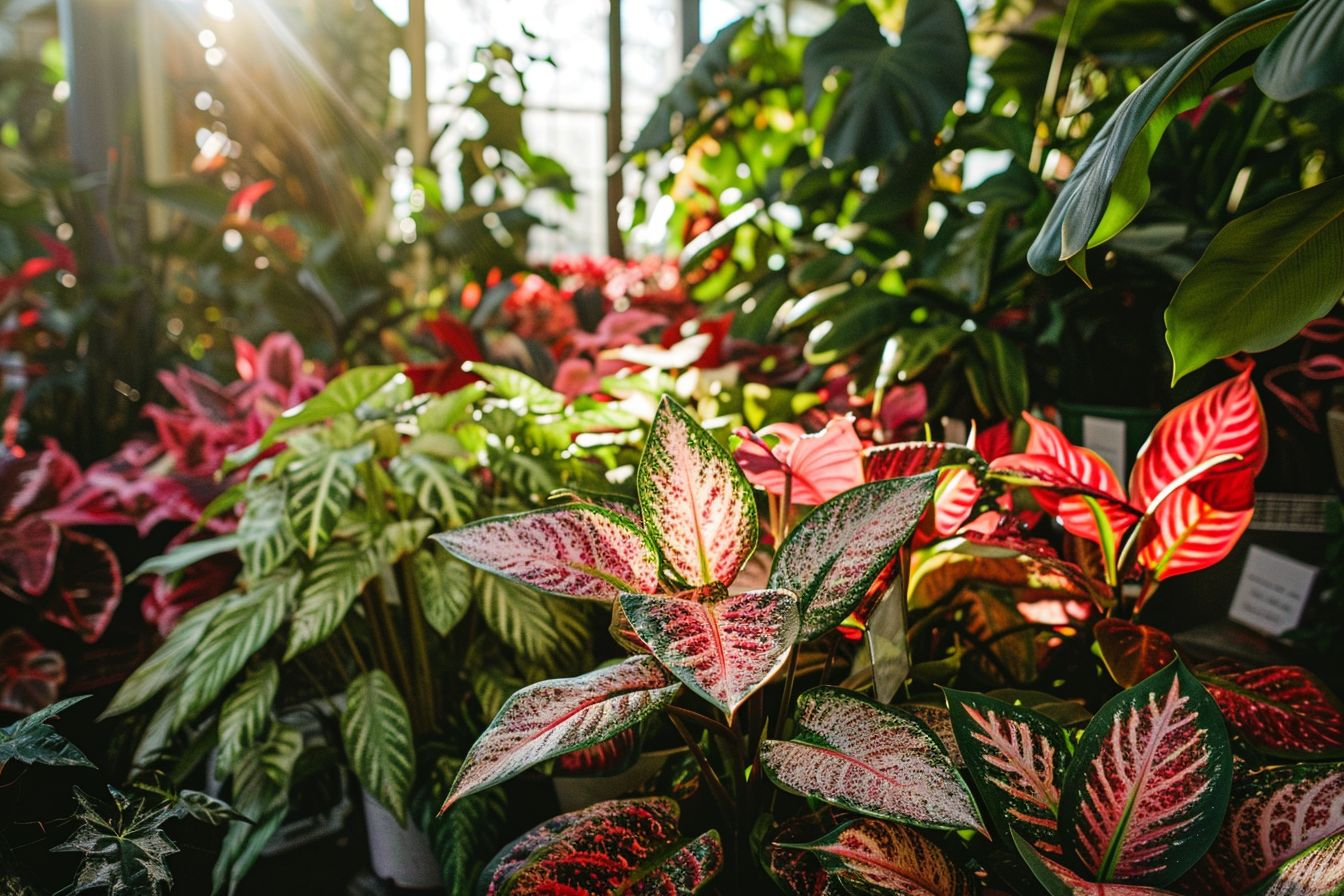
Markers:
point(722, 646)
point(901, 459)
point(1185, 534)
point(1317, 872)
point(1088, 468)
point(1148, 784)
point(1016, 759)
point(816, 466)
point(1062, 493)
point(1281, 710)
point(860, 755)
point(551, 718)
point(1131, 651)
point(1273, 816)
point(870, 854)
point(621, 846)
point(696, 504)
point(1226, 419)
point(1058, 880)
point(577, 550)
point(836, 552)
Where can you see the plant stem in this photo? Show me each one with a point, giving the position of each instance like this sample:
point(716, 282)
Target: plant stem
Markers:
point(1052, 86)
point(424, 692)
point(354, 649)
point(716, 787)
point(790, 671)
point(386, 587)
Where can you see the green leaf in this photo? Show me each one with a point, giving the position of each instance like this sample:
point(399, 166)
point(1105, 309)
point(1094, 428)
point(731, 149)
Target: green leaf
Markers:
point(437, 487)
point(1264, 277)
point(517, 386)
point(340, 396)
point(465, 835)
point(185, 555)
point(260, 791)
point(244, 624)
point(446, 586)
point(32, 741)
point(122, 850)
point(898, 95)
point(401, 538)
point(320, 488)
point(1110, 184)
point(1306, 56)
point(701, 82)
point(330, 588)
point(444, 411)
point(245, 714)
point(539, 627)
point(1006, 369)
point(265, 537)
point(193, 804)
point(376, 730)
point(165, 665)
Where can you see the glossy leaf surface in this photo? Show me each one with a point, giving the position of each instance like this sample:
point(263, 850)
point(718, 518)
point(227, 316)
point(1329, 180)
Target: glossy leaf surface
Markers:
point(1148, 784)
point(890, 858)
point(696, 504)
point(1282, 710)
point(1304, 57)
point(836, 552)
point(576, 551)
point(1057, 880)
point(869, 758)
point(1317, 872)
point(723, 647)
point(544, 720)
point(1132, 651)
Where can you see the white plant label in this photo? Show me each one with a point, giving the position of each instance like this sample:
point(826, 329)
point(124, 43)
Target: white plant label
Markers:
point(1107, 437)
point(1272, 591)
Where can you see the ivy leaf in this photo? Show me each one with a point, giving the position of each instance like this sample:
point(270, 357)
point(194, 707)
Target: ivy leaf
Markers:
point(376, 731)
point(32, 741)
point(245, 714)
point(698, 507)
point(836, 552)
point(123, 850)
point(319, 490)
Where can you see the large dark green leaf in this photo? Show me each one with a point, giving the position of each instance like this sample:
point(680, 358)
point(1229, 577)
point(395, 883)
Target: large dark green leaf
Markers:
point(898, 95)
point(700, 83)
point(1264, 277)
point(1307, 55)
point(1110, 184)
point(122, 849)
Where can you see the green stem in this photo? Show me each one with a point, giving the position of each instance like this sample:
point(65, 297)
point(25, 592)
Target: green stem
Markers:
point(1052, 86)
point(354, 649)
point(716, 787)
point(777, 724)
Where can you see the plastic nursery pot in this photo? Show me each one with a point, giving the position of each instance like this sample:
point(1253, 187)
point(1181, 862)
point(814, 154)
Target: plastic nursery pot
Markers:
point(399, 854)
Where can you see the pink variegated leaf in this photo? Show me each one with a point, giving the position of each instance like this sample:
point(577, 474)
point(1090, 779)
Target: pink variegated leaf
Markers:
point(1185, 533)
point(698, 508)
point(1317, 872)
point(889, 858)
point(855, 753)
point(1057, 880)
point(939, 721)
point(1282, 710)
point(630, 847)
point(576, 550)
point(836, 552)
point(1016, 759)
point(1274, 815)
point(547, 719)
point(1148, 784)
point(722, 646)
point(30, 675)
point(1225, 420)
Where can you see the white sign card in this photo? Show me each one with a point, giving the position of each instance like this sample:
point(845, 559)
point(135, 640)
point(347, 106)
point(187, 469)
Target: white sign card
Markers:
point(1272, 591)
point(1107, 437)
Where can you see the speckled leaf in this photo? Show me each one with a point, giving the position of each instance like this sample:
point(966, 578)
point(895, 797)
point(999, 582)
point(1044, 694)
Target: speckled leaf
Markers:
point(890, 858)
point(245, 714)
point(1317, 872)
point(320, 488)
point(722, 646)
point(939, 721)
point(1282, 710)
point(795, 870)
point(1273, 815)
point(544, 720)
point(1056, 880)
point(698, 506)
point(836, 552)
point(32, 741)
point(1147, 787)
point(869, 758)
point(376, 732)
point(630, 847)
point(1016, 759)
point(575, 551)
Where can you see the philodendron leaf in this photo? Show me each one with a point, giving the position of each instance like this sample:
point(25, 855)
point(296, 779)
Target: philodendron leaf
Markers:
point(697, 505)
point(629, 847)
point(1110, 183)
point(1282, 710)
point(332, 584)
point(245, 714)
point(1148, 784)
point(872, 759)
point(722, 646)
point(876, 855)
point(544, 720)
point(32, 741)
point(1273, 816)
point(1305, 56)
point(575, 551)
point(1057, 880)
point(836, 552)
point(1016, 759)
point(1265, 276)
point(320, 488)
point(376, 731)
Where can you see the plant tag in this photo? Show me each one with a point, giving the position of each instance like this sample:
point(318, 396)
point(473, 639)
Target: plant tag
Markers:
point(1107, 437)
point(1272, 591)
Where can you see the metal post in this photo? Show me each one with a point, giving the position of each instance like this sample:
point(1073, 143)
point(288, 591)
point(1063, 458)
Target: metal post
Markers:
point(615, 177)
